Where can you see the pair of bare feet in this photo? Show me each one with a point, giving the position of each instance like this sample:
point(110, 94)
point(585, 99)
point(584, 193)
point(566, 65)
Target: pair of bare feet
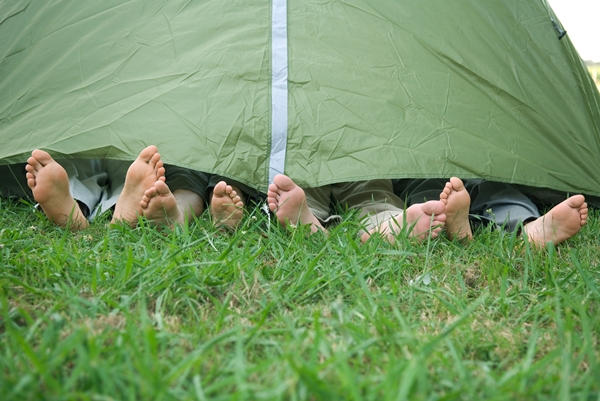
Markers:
point(559, 224)
point(145, 193)
point(288, 201)
point(167, 208)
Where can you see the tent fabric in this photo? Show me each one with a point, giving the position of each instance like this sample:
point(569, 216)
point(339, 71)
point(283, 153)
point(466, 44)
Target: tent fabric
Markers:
point(381, 89)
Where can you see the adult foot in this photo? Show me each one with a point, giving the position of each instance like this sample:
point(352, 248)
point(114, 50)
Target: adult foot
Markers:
point(559, 224)
point(457, 201)
point(49, 183)
point(421, 220)
point(226, 206)
point(141, 175)
point(160, 206)
point(288, 201)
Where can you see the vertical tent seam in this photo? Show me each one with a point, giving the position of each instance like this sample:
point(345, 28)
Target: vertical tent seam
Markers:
point(279, 88)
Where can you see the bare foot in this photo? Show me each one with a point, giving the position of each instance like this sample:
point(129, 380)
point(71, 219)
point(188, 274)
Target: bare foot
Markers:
point(422, 219)
point(160, 205)
point(457, 201)
point(226, 206)
point(288, 201)
point(559, 224)
point(50, 185)
point(141, 175)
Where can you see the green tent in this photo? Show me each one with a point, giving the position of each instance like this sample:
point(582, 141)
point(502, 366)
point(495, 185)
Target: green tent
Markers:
point(325, 91)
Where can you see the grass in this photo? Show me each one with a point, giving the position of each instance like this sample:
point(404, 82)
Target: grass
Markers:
point(264, 313)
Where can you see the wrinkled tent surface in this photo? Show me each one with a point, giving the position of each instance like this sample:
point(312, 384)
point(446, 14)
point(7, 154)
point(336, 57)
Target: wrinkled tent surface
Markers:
point(387, 89)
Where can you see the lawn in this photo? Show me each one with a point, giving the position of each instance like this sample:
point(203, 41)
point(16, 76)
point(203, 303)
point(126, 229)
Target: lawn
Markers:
point(114, 313)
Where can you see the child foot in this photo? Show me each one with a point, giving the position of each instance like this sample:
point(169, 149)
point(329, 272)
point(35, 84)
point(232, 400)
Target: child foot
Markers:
point(422, 219)
point(288, 201)
point(141, 175)
point(226, 206)
point(559, 224)
point(457, 201)
point(426, 219)
point(160, 205)
point(50, 185)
